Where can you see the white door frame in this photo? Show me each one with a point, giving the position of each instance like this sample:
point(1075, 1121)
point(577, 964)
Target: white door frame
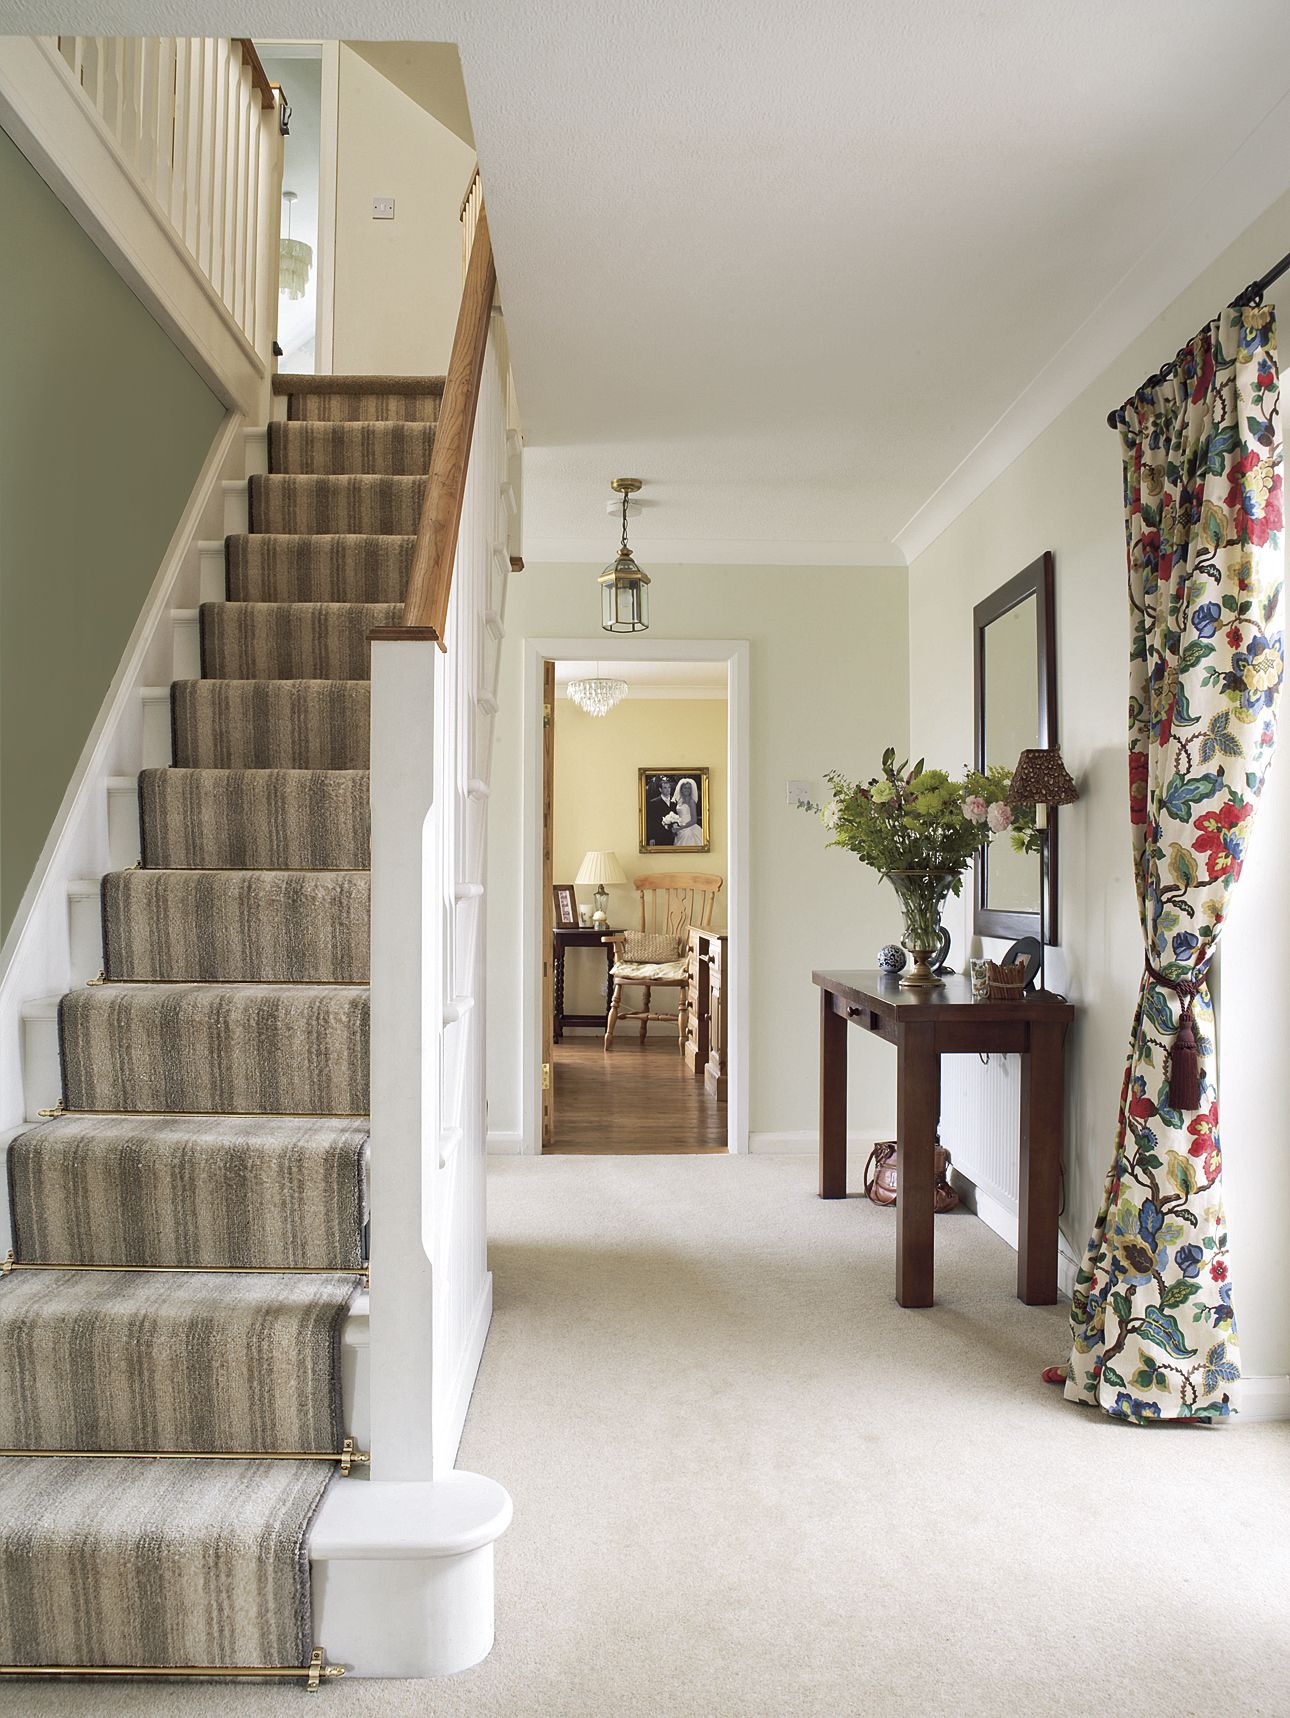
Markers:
point(328, 54)
point(328, 148)
point(734, 653)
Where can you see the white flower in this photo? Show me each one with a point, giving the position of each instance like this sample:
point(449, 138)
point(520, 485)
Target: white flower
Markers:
point(832, 813)
point(999, 816)
point(974, 808)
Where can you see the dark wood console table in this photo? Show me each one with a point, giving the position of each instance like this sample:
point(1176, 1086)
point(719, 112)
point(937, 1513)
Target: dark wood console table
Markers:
point(577, 936)
point(925, 1025)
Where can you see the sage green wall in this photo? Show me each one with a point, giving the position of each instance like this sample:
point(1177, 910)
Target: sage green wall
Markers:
point(103, 430)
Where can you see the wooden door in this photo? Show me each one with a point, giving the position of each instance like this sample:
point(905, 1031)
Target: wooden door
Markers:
point(548, 909)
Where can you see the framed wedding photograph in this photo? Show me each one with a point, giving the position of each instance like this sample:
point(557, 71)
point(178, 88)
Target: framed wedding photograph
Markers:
point(674, 810)
point(566, 906)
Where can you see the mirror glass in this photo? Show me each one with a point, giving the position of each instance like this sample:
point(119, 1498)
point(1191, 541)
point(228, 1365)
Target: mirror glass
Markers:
point(1011, 709)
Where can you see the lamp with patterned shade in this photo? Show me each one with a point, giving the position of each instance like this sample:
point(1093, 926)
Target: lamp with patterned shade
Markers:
point(1041, 779)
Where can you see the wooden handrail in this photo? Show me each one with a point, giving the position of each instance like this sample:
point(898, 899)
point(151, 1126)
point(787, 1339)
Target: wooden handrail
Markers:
point(259, 77)
point(425, 607)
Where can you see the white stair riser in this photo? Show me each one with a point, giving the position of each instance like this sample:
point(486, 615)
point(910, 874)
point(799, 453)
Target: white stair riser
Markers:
point(42, 1074)
point(187, 644)
point(256, 449)
point(123, 822)
point(235, 508)
point(213, 580)
point(84, 930)
point(155, 735)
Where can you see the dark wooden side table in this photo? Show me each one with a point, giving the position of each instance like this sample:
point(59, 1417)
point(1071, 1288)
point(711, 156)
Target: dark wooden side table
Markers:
point(925, 1025)
point(577, 936)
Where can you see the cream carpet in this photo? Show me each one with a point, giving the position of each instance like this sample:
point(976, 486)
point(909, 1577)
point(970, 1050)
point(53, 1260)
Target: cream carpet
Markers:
point(747, 1483)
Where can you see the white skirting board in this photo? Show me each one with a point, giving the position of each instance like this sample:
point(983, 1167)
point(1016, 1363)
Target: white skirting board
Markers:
point(1263, 1396)
point(505, 1144)
point(457, 1401)
point(806, 1141)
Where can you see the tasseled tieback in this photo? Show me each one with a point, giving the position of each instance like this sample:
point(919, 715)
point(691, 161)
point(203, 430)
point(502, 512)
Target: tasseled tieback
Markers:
point(1184, 1058)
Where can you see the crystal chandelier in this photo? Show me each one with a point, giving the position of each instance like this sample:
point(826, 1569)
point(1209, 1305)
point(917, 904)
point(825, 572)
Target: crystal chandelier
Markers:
point(295, 258)
point(624, 588)
point(596, 696)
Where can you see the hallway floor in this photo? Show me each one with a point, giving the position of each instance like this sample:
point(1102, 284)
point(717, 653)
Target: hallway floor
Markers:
point(748, 1485)
point(637, 1100)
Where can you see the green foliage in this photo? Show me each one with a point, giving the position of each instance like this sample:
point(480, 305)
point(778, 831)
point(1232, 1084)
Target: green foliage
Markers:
point(920, 819)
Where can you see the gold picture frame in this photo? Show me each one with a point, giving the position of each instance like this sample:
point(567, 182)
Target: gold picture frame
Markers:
point(668, 810)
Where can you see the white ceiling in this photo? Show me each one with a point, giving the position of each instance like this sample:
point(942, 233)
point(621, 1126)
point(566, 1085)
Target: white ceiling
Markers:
point(804, 268)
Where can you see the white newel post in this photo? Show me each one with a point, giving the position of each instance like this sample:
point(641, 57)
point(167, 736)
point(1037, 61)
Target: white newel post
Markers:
point(405, 1092)
point(402, 1563)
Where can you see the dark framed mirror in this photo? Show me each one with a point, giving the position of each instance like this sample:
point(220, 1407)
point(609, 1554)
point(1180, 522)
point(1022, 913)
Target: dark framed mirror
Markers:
point(1014, 706)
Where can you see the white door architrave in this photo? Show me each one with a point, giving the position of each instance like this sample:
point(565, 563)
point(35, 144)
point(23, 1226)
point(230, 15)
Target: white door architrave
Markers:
point(734, 653)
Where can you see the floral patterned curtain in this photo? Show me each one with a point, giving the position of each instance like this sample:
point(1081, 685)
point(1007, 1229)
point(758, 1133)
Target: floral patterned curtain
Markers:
point(1152, 1319)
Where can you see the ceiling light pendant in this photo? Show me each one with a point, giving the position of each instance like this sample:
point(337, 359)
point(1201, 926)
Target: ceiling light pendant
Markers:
point(295, 258)
point(624, 588)
point(596, 696)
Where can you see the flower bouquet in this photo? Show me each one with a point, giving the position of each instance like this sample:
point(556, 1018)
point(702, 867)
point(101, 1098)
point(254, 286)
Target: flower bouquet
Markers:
point(919, 828)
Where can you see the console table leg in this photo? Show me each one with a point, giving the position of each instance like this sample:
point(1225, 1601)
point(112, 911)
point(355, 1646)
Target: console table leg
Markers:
point(558, 1023)
point(833, 1100)
point(917, 1114)
point(1042, 1089)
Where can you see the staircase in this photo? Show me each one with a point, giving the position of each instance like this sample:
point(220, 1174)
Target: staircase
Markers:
point(190, 1232)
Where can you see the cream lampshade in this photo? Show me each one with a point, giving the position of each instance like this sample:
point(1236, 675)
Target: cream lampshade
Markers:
point(600, 869)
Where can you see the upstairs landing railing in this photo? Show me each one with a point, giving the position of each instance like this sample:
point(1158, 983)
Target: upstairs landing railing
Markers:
point(196, 121)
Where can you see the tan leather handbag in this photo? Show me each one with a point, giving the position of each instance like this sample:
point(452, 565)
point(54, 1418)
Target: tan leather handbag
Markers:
point(880, 1176)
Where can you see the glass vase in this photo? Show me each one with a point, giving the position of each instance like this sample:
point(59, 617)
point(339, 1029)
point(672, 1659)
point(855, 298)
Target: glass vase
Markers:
point(922, 896)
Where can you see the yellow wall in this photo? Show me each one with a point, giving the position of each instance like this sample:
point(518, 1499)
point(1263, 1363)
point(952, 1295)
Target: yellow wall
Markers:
point(595, 807)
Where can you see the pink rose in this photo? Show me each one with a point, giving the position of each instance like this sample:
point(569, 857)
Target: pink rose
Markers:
point(974, 808)
point(999, 816)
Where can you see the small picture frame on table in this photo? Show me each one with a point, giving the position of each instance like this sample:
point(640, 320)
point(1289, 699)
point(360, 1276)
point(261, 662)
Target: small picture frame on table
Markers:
point(566, 906)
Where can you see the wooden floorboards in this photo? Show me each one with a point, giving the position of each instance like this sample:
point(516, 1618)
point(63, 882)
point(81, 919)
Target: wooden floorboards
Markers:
point(639, 1099)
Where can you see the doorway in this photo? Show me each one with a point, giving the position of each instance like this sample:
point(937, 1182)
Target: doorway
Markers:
point(306, 72)
point(638, 812)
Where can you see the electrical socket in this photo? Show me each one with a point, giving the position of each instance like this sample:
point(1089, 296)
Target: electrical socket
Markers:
point(799, 792)
point(382, 208)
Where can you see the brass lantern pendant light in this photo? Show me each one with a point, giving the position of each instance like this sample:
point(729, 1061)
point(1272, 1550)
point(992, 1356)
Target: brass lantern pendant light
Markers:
point(624, 588)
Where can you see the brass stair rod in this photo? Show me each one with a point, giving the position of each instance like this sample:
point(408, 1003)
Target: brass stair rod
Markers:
point(11, 1264)
point(347, 1456)
point(312, 1674)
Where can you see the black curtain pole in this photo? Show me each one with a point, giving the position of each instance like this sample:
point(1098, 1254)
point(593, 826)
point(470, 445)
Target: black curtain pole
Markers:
point(1253, 294)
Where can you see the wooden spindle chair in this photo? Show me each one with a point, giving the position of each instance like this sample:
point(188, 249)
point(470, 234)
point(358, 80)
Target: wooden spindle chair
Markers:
point(670, 903)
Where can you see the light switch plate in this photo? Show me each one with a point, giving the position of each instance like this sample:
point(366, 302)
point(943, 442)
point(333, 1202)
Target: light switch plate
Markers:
point(382, 208)
point(799, 792)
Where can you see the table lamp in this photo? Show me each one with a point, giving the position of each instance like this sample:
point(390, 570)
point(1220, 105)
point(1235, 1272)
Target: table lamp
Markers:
point(600, 869)
point(1041, 779)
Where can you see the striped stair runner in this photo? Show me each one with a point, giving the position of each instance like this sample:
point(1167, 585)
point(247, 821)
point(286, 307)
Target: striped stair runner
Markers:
point(209, 1168)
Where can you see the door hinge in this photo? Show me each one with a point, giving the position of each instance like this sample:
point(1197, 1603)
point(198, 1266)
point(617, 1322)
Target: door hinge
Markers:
point(546, 1076)
point(546, 715)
